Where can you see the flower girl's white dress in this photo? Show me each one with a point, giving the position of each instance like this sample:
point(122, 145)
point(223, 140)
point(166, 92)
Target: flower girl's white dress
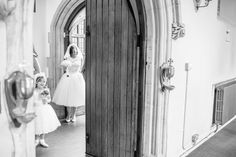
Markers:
point(46, 119)
point(70, 90)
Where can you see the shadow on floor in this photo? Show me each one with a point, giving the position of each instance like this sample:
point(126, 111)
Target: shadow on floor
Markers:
point(67, 141)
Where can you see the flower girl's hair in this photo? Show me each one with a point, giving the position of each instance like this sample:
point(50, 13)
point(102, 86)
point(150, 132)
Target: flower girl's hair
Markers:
point(38, 77)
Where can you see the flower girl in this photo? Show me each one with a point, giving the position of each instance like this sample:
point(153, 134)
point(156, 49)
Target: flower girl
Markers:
point(46, 120)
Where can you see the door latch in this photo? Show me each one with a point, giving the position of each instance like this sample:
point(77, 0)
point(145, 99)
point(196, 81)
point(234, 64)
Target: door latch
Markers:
point(19, 87)
point(167, 71)
point(87, 138)
point(88, 32)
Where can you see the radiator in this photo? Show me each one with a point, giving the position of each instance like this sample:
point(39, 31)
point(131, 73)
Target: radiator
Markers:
point(224, 102)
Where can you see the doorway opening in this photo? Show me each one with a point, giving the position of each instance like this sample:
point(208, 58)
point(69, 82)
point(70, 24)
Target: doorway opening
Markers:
point(111, 36)
point(69, 138)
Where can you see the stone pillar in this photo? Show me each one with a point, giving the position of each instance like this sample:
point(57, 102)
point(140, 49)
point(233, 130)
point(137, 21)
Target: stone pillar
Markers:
point(16, 22)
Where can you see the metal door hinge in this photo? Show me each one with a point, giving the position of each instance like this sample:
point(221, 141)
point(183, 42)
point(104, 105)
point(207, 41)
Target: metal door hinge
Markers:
point(87, 138)
point(88, 33)
point(138, 40)
point(135, 153)
point(90, 155)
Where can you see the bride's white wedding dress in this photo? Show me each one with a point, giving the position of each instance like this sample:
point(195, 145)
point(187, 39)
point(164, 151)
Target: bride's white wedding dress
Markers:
point(70, 90)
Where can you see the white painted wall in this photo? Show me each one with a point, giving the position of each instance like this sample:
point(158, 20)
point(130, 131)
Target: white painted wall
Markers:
point(41, 27)
point(212, 59)
point(39, 32)
point(6, 147)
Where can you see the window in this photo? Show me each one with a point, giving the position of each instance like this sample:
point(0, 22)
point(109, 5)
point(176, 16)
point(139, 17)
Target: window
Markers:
point(77, 31)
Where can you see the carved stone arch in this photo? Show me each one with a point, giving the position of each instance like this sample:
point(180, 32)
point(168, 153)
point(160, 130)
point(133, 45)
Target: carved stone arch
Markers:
point(159, 18)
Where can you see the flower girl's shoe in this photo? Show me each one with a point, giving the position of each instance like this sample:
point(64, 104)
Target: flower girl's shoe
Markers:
point(36, 142)
point(43, 143)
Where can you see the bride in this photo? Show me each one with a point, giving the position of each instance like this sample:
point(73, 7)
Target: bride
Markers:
point(70, 91)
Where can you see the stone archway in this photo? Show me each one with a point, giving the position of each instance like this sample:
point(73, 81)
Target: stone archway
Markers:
point(163, 24)
point(157, 25)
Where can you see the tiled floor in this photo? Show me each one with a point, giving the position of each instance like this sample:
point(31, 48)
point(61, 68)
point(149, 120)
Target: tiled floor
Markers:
point(66, 141)
point(223, 144)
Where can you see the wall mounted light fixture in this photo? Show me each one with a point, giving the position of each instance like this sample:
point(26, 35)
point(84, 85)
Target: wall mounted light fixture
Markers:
point(197, 4)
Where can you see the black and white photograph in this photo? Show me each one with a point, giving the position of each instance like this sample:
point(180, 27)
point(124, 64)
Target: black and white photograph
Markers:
point(118, 78)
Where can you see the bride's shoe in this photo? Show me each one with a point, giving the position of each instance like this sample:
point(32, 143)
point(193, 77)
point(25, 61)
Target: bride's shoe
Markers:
point(73, 119)
point(68, 120)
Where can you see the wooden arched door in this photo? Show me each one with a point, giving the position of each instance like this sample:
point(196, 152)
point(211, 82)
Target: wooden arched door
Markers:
point(112, 78)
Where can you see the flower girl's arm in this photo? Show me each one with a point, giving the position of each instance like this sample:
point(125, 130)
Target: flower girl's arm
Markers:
point(49, 98)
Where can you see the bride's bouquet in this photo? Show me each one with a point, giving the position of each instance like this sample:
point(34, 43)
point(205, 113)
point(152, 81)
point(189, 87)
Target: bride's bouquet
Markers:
point(66, 63)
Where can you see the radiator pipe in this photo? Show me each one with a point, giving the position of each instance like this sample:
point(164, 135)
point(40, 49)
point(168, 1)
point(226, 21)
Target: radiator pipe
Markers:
point(185, 107)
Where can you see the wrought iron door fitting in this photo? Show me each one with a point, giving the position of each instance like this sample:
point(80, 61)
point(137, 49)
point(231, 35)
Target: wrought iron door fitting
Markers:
point(19, 87)
point(167, 71)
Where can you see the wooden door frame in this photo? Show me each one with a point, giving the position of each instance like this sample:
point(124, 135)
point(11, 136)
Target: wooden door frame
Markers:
point(157, 19)
point(139, 16)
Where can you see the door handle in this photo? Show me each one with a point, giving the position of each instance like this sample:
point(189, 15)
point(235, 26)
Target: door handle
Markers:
point(19, 87)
